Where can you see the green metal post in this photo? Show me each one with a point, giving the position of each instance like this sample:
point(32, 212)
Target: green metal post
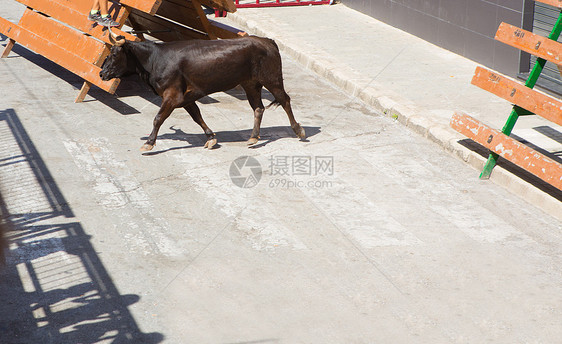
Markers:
point(515, 113)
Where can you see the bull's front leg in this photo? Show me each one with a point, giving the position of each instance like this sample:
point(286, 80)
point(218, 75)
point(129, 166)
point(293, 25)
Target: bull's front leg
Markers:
point(164, 112)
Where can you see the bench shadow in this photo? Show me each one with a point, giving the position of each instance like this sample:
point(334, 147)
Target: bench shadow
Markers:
point(516, 170)
point(552, 134)
point(55, 288)
point(267, 135)
point(128, 87)
point(77, 82)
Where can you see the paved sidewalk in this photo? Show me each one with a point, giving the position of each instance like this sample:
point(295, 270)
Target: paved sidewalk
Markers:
point(418, 83)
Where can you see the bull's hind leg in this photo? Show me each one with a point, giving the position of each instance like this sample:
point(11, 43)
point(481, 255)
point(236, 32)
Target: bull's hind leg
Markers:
point(285, 101)
point(253, 93)
point(195, 113)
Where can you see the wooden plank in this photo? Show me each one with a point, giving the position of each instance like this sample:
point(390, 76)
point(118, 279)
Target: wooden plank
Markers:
point(79, 6)
point(224, 31)
point(516, 93)
point(223, 5)
point(69, 13)
point(84, 46)
point(59, 55)
point(527, 41)
point(84, 6)
point(181, 11)
point(555, 3)
point(158, 26)
point(203, 19)
point(518, 153)
point(8, 48)
point(83, 92)
point(147, 6)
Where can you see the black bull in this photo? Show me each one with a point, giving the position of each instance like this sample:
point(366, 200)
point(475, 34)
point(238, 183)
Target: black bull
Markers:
point(182, 72)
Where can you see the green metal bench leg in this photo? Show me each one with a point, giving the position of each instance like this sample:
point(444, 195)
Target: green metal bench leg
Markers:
point(507, 128)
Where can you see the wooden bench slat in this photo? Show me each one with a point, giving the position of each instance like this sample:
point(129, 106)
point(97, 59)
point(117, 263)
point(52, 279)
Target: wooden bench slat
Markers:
point(181, 13)
point(555, 3)
point(147, 6)
point(223, 5)
point(203, 19)
point(516, 93)
point(53, 52)
point(143, 21)
point(518, 153)
point(69, 13)
point(83, 46)
point(224, 31)
point(82, 7)
point(79, 6)
point(529, 42)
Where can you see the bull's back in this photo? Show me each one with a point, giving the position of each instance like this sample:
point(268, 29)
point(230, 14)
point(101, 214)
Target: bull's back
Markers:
point(219, 65)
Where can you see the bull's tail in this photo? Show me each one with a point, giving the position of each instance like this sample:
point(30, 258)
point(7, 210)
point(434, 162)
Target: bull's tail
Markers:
point(274, 103)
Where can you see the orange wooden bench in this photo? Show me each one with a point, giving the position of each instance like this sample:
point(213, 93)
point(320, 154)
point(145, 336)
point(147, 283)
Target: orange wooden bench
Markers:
point(516, 152)
point(517, 93)
point(60, 31)
point(526, 102)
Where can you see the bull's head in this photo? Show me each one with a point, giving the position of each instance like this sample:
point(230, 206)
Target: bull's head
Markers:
point(118, 63)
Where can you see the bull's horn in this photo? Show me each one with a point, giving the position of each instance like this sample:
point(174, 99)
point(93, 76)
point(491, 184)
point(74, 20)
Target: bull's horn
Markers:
point(114, 39)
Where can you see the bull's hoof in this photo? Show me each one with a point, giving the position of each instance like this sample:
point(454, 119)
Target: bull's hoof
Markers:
point(146, 147)
point(299, 131)
point(252, 141)
point(210, 143)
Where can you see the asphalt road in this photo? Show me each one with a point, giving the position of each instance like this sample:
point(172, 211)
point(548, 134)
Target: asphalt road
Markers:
point(365, 233)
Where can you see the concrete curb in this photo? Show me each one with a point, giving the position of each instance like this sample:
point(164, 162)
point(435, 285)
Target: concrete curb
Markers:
point(348, 80)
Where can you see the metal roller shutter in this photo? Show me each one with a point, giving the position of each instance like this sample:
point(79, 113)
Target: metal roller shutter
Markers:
point(544, 18)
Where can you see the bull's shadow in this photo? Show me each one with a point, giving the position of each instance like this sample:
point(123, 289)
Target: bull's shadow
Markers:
point(267, 135)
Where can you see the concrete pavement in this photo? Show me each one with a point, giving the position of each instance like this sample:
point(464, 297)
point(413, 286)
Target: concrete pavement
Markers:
point(420, 84)
point(365, 233)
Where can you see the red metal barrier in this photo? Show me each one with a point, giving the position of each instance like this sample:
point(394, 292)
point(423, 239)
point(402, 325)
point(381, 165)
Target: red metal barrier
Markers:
point(278, 3)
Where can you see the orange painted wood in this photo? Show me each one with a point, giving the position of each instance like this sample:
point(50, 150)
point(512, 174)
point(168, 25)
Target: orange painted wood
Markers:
point(83, 92)
point(71, 13)
point(555, 3)
point(84, 6)
point(57, 54)
point(518, 153)
point(147, 6)
point(8, 48)
point(88, 48)
point(527, 41)
point(79, 6)
point(516, 93)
